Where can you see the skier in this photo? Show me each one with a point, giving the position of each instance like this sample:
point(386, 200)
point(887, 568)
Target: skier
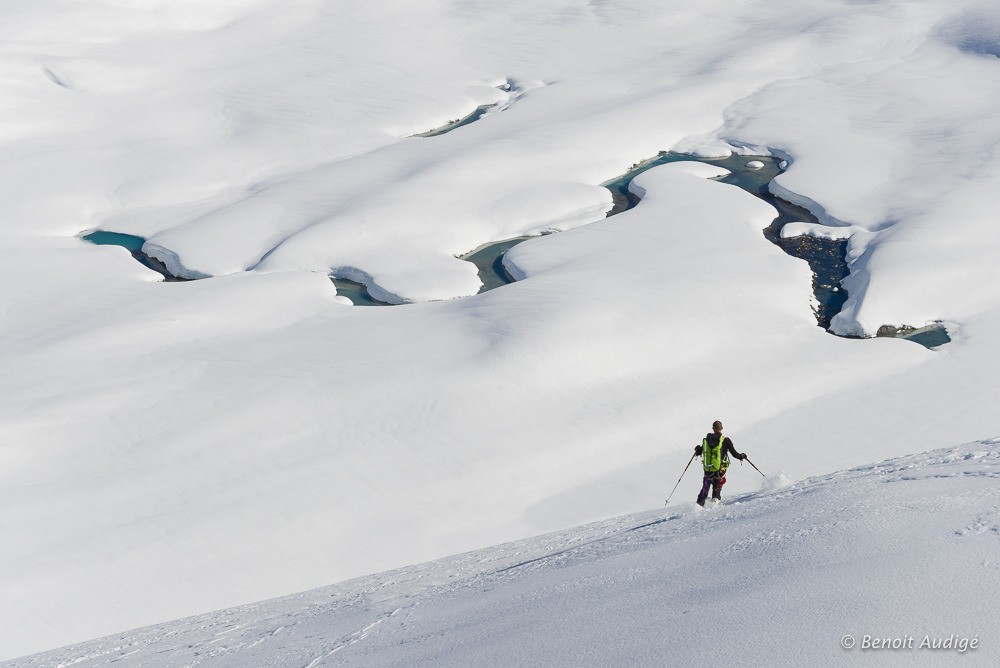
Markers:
point(714, 451)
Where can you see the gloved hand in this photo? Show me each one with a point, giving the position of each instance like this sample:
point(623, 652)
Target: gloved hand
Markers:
point(741, 456)
point(697, 451)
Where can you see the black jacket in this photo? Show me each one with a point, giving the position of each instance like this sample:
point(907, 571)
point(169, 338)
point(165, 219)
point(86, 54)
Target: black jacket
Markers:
point(727, 446)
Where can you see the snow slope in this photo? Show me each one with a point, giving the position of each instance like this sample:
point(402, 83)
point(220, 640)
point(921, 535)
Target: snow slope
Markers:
point(172, 448)
point(903, 549)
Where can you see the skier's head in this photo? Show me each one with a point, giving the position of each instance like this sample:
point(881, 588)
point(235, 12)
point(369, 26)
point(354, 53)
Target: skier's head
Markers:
point(717, 426)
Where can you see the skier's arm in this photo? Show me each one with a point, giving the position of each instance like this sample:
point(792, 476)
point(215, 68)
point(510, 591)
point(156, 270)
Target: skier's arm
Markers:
point(732, 450)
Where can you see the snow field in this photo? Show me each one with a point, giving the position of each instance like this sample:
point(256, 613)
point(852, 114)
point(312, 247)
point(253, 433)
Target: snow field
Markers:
point(169, 449)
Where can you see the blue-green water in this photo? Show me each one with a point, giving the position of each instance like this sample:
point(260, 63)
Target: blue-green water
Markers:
point(930, 336)
point(461, 122)
point(826, 257)
point(133, 245)
point(356, 292)
point(508, 86)
point(127, 241)
point(489, 260)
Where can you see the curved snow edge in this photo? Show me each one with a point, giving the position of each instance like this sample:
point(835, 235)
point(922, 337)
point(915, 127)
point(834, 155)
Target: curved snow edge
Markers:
point(374, 290)
point(171, 261)
point(806, 203)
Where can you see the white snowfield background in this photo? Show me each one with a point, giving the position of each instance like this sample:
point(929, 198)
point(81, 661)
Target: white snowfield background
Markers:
point(168, 449)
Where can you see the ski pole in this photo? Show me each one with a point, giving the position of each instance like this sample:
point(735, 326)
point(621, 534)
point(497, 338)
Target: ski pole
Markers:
point(679, 479)
point(755, 467)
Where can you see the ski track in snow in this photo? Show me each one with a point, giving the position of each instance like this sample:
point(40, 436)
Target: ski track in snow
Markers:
point(899, 518)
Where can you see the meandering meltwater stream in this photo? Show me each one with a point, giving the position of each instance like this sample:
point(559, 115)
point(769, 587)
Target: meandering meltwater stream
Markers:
point(826, 257)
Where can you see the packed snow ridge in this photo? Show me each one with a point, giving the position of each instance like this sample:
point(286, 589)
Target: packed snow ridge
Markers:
point(902, 551)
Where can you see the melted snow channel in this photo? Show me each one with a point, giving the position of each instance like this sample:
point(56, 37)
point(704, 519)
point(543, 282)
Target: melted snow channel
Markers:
point(795, 230)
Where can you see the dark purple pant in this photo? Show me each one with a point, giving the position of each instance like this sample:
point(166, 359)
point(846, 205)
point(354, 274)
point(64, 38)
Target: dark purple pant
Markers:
point(715, 481)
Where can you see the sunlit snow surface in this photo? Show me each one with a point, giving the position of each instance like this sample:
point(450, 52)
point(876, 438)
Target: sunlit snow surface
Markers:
point(172, 448)
point(903, 548)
